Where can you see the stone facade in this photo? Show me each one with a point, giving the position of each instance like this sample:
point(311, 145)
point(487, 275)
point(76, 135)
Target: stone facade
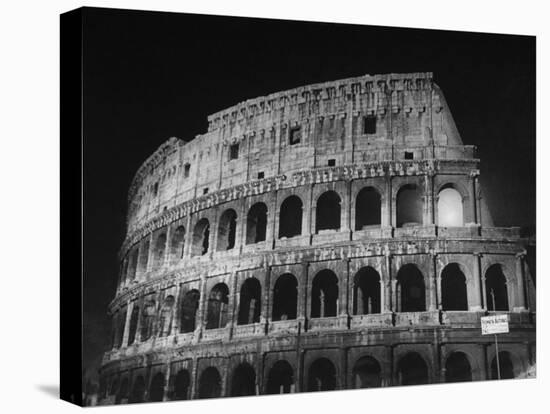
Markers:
point(331, 236)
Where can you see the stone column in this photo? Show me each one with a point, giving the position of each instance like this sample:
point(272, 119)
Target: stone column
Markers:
point(176, 317)
point(386, 304)
point(201, 311)
point(149, 265)
point(483, 292)
point(477, 304)
point(240, 236)
point(188, 239)
point(233, 304)
point(520, 282)
point(473, 204)
point(386, 219)
point(434, 283)
point(166, 393)
point(126, 333)
point(303, 290)
point(343, 291)
point(428, 198)
point(265, 316)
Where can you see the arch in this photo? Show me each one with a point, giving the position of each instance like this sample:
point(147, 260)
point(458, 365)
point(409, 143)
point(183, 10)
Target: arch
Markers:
point(210, 383)
point(409, 206)
point(368, 208)
point(250, 302)
point(506, 366)
point(178, 244)
point(280, 378)
point(227, 229)
point(412, 370)
point(201, 236)
point(114, 387)
point(496, 289)
point(143, 257)
point(122, 392)
point(450, 210)
point(160, 248)
point(243, 381)
point(181, 385)
point(285, 298)
point(217, 307)
point(366, 292)
point(328, 211)
point(324, 294)
point(147, 320)
point(290, 217)
point(133, 325)
point(411, 291)
point(166, 316)
point(189, 307)
point(156, 389)
point(367, 373)
point(454, 294)
point(321, 375)
point(256, 223)
point(138, 390)
point(458, 368)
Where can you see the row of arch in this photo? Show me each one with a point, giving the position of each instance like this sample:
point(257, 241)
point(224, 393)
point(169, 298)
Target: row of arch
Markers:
point(411, 369)
point(410, 296)
point(368, 211)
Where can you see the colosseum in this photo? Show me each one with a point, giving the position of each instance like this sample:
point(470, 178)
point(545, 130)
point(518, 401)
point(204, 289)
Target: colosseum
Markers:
point(327, 237)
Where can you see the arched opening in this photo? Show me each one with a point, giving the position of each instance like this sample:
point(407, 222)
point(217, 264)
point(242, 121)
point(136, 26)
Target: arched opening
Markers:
point(280, 379)
point(250, 302)
point(178, 244)
point(366, 373)
point(506, 366)
point(189, 306)
point(412, 370)
point(217, 307)
point(166, 316)
point(147, 320)
point(143, 257)
point(210, 383)
point(324, 294)
point(156, 390)
point(458, 368)
point(227, 229)
point(290, 217)
point(256, 223)
point(454, 296)
point(366, 292)
point(496, 289)
point(138, 390)
point(201, 235)
point(122, 392)
point(321, 375)
point(133, 325)
point(120, 322)
point(327, 213)
point(181, 385)
point(410, 295)
point(132, 265)
point(160, 247)
point(243, 381)
point(114, 386)
point(409, 206)
point(368, 209)
point(285, 298)
point(449, 208)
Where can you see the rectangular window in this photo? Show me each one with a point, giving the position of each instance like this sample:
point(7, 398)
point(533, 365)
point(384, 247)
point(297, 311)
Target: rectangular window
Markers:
point(295, 135)
point(234, 152)
point(260, 175)
point(409, 155)
point(186, 170)
point(369, 124)
point(331, 163)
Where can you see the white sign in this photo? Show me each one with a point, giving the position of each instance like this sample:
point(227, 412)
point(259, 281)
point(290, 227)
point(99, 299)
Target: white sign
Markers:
point(494, 324)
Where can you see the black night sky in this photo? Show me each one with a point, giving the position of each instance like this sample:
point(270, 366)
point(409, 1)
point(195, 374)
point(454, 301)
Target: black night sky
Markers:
point(149, 76)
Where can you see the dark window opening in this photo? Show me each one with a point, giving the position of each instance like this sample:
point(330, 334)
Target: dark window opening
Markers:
point(368, 208)
point(369, 124)
point(321, 376)
point(412, 370)
point(250, 302)
point(178, 244)
point(328, 212)
point(217, 307)
point(457, 368)
point(331, 162)
point(256, 223)
point(409, 206)
point(234, 152)
point(143, 257)
point(148, 320)
point(410, 295)
point(189, 306)
point(186, 170)
point(156, 391)
point(155, 189)
point(324, 295)
point(290, 217)
point(280, 379)
point(201, 235)
point(210, 383)
point(166, 316)
point(260, 175)
point(138, 391)
point(496, 289)
point(367, 373)
point(366, 292)
point(409, 155)
point(454, 296)
point(285, 298)
point(181, 385)
point(133, 325)
point(295, 135)
point(160, 247)
point(205, 190)
point(244, 381)
point(227, 229)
